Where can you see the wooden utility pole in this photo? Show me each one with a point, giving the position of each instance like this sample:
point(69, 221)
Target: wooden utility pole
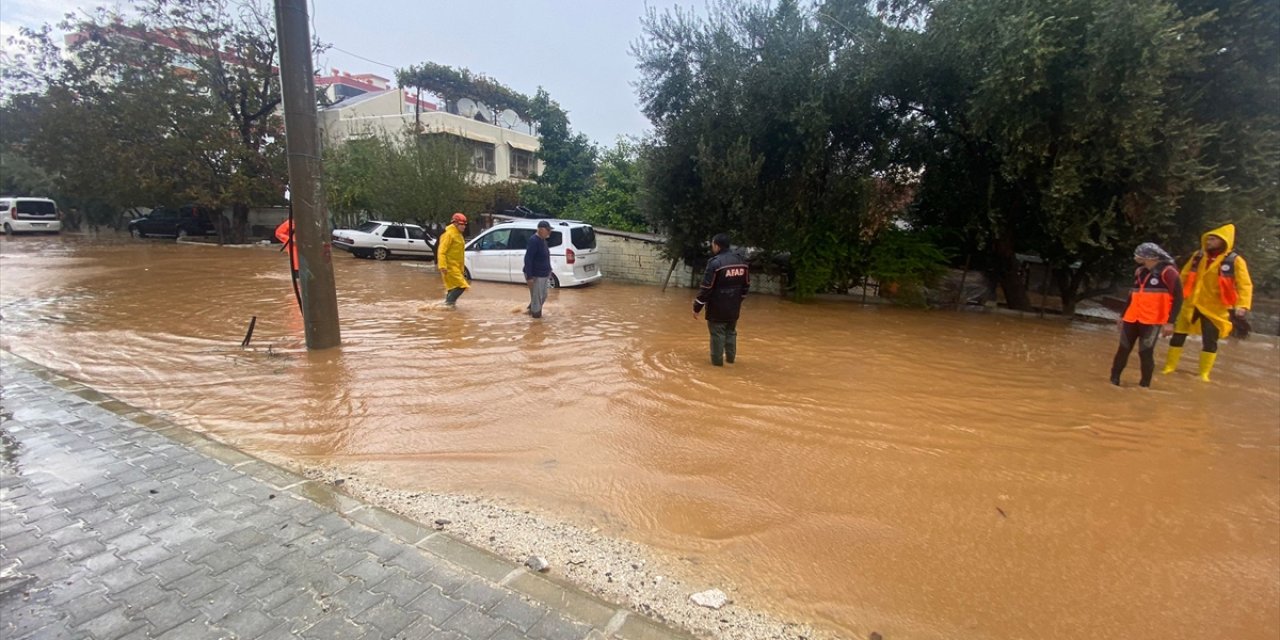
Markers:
point(310, 222)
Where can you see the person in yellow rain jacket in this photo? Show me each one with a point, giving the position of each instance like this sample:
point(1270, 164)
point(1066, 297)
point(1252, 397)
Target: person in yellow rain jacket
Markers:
point(1218, 293)
point(451, 258)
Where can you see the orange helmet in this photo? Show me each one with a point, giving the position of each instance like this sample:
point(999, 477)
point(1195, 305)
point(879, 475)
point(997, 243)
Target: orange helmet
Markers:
point(458, 217)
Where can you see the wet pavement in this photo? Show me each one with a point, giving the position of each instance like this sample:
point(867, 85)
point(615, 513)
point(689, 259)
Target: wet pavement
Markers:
point(118, 524)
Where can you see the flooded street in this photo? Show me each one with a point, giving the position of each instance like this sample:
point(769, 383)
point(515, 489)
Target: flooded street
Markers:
point(920, 474)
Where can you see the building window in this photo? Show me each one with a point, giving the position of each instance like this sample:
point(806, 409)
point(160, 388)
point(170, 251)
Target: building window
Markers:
point(482, 158)
point(523, 164)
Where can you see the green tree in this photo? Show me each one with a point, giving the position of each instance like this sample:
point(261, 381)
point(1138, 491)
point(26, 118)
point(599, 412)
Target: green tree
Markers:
point(1053, 127)
point(762, 129)
point(413, 178)
point(569, 159)
point(612, 201)
point(176, 105)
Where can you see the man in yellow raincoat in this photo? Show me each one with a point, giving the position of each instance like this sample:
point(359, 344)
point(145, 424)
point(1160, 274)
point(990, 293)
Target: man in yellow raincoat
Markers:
point(1217, 290)
point(451, 258)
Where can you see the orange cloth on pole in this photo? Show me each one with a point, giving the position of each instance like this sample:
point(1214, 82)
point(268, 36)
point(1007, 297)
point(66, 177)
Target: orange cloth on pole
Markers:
point(284, 233)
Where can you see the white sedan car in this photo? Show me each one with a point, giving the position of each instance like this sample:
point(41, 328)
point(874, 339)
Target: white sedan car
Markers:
point(381, 240)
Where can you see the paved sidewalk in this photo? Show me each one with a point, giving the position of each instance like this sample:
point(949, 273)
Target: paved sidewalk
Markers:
point(117, 524)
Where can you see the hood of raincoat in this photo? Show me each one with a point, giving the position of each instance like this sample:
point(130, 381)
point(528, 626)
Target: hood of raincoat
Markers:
point(1226, 232)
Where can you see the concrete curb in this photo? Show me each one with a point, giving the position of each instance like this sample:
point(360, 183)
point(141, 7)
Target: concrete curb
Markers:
point(615, 620)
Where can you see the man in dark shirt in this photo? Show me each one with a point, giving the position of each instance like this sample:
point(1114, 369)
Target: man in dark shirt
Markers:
point(724, 285)
point(537, 268)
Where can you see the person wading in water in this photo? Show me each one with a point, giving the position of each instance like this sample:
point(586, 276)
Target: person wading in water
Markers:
point(1219, 294)
point(724, 285)
point(1154, 301)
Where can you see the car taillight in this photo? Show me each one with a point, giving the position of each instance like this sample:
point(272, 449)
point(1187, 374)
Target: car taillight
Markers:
point(59, 212)
point(568, 256)
point(13, 213)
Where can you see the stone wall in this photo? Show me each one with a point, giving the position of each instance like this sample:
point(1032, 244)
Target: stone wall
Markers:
point(637, 257)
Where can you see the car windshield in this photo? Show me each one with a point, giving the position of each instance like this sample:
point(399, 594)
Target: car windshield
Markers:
point(369, 227)
point(583, 237)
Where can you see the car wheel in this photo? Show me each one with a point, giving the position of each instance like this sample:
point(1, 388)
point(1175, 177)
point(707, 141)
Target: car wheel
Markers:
point(466, 273)
point(8, 230)
point(381, 253)
point(555, 282)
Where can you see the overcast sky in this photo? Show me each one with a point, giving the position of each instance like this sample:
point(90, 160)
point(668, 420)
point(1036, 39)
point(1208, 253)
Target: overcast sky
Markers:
point(578, 50)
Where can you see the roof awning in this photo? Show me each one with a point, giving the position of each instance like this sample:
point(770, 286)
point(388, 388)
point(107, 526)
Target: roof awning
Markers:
point(524, 146)
point(462, 133)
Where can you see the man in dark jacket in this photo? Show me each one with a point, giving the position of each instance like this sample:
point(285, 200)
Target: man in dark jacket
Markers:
point(724, 285)
point(537, 268)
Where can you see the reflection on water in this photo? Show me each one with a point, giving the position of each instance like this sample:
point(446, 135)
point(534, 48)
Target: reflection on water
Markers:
point(923, 474)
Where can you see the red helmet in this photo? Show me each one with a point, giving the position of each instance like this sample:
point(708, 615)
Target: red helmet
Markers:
point(458, 217)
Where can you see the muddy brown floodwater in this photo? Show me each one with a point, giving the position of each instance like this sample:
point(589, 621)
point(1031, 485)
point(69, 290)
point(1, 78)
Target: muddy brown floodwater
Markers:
point(921, 474)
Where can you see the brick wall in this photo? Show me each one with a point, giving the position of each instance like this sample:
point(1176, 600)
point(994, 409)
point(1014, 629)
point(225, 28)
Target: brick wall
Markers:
point(633, 257)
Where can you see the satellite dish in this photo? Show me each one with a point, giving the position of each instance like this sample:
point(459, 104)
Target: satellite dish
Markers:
point(508, 118)
point(483, 112)
point(467, 107)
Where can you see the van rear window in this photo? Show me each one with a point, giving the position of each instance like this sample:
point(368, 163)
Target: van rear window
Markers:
point(583, 237)
point(40, 207)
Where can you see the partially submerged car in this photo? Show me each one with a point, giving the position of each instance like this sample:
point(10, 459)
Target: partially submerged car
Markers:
point(498, 253)
point(380, 240)
point(178, 223)
point(21, 215)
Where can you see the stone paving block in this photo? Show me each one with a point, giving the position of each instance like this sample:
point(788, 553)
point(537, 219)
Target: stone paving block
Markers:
point(341, 558)
point(370, 570)
point(415, 563)
point(130, 540)
point(422, 630)
point(249, 623)
point(334, 627)
point(556, 627)
point(508, 632)
point(301, 610)
point(447, 578)
point(148, 555)
point(197, 585)
point(245, 576)
point(274, 591)
point(110, 624)
point(143, 594)
point(122, 577)
point(480, 593)
point(198, 549)
point(401, 587)
point(36, 555)
point(355, 599)
point(171, 570)
point(166, 614)
point(472, 622)
point(35, 619)
point(83, 548)
point(218, 604)
point(198, 629)
point(387, 617)
point(517, 612)
point(435, 606)
point(87, 607)
point(490, 566)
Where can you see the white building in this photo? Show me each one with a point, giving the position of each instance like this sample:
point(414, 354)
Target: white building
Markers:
point(498, 153)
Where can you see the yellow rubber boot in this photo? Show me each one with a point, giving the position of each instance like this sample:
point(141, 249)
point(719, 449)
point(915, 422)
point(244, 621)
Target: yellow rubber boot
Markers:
point(1171, 360)
point(1206, 364)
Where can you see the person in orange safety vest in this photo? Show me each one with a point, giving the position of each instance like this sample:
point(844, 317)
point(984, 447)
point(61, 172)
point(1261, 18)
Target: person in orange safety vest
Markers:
point(1154, 301)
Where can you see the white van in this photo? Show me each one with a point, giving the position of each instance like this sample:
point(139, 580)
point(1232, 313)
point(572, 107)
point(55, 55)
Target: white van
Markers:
point(22, 214)
point(498, 253)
